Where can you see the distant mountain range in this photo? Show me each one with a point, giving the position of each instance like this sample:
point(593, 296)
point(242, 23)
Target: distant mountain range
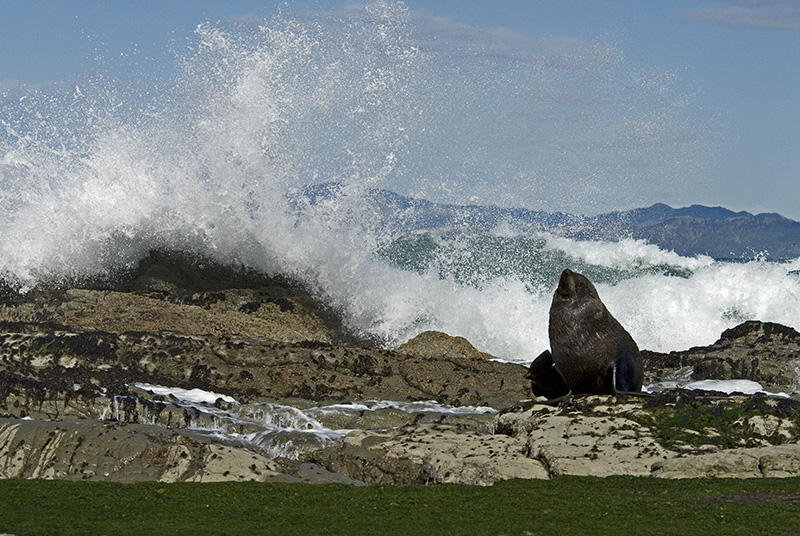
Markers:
point(696, 230)
point(713, 231)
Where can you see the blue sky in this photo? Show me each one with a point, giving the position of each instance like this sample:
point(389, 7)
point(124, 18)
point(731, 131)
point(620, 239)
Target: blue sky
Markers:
point(736, 63)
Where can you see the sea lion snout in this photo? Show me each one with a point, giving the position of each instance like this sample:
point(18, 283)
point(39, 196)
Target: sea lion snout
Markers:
point(566, 284)
point(574, 286)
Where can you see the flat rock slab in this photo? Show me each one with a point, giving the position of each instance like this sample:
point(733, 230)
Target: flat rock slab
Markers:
point(85, 449)
point(430, 454)
point(93, 450)
point(769, 462)
point(676, 435)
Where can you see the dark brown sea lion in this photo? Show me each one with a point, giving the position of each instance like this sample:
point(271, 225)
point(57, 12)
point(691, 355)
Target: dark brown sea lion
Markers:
point(590, 352)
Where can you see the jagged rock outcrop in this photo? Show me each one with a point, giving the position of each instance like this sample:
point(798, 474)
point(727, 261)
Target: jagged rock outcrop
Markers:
point(43, 364)
point(763, 352)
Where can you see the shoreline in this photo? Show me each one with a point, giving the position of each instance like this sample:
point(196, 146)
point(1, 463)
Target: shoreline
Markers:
point(72, 401)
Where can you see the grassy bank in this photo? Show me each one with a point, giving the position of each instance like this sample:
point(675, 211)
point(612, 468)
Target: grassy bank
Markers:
point(565, 505)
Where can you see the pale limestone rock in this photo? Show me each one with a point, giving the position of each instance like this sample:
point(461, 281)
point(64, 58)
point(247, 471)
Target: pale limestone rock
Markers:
point(431, 454)
point(773, 461)
point(780, 461)
point(441, 345)
point(223, 463)
point(86, 449)
point(767, 425)
point(716, 465)
point(602, 443)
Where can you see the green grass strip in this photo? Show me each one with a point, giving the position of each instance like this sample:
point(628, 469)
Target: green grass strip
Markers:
point(563, 506)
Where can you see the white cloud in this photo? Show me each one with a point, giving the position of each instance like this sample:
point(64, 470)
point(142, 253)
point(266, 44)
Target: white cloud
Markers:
point(756, 14)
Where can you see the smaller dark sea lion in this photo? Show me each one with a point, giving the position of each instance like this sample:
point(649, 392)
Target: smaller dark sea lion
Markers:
point(590, 351)
point(545, 379)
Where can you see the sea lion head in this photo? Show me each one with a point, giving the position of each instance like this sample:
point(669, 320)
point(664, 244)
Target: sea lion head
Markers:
point(577, 313)
point(573, 287)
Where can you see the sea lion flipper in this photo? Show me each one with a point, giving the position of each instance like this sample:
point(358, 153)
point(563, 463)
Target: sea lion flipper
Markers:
point(559, 400)
point(628, 372)
point(621, 379)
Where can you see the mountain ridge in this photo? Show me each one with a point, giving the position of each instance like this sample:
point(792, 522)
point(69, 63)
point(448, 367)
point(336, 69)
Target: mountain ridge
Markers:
point(688, 231)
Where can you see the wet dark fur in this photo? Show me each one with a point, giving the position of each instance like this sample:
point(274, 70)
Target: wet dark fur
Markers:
point(590, 352)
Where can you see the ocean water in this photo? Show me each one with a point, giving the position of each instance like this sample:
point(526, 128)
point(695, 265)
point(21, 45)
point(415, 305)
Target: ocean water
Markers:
point(97, 172)
point(277, 429)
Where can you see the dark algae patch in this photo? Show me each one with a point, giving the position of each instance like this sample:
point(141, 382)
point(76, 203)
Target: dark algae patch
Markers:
point(563, 506)
point(687, 418)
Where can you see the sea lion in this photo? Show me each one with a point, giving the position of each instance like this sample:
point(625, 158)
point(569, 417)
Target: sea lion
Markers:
point(545, 379)
point(590, 351)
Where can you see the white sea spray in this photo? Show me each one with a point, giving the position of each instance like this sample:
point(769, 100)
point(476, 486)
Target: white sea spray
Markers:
point(92, 179)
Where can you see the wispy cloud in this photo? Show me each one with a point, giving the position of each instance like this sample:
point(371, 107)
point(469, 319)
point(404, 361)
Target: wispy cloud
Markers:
point(437, 32)
point(444, 35)
point(756, 14)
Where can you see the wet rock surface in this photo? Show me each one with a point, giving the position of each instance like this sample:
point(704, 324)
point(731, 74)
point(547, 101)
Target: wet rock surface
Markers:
point(291, 395)
point(763, 352)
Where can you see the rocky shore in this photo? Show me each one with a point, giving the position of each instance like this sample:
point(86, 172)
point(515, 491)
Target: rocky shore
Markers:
point(290, 395)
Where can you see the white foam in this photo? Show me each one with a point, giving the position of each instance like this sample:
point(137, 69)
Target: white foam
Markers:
point(430, 406)
point(624, 254)
point(747, 387)
point(197, 396)
point(284, 430)
point(674, 313)
point(509, 319)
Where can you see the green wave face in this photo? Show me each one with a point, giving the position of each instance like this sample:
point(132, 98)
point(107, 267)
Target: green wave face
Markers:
point(480, 259)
